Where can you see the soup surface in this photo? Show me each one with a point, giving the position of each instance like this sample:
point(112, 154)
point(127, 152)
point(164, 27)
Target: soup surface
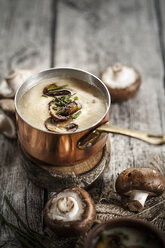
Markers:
point(79, 108)
point(126, 237)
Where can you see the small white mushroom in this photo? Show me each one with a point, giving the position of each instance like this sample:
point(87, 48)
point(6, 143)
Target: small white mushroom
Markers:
point(7, 118)
point(13, 79)
point(139, 183)
point(7, 126)
point(5, 91)
point(16, 77)
point(7, 105)
point(71, 211)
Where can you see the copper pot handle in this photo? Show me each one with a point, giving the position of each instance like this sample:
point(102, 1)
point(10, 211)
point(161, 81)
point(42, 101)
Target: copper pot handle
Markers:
point(91, 138)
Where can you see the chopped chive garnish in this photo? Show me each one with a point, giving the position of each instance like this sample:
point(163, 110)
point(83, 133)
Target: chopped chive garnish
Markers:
point(67, 101)
point(58, 87)
point(54, 108)
point(44, 95)
point(60, 112)
point(76, 98)
point(77, 114)
point(126, 236)
point(103, 236)
point(59, 102)
point(62, 103)
point(120, 233)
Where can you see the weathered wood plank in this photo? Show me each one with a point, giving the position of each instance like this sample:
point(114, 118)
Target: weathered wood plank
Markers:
point(160, 8)
point(94, 34)
point(25, 31)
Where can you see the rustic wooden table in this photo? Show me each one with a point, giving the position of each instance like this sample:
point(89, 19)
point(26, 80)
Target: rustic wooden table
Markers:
point(89, 35)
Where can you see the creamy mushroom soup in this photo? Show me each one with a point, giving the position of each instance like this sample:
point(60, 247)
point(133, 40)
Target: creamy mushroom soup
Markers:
point(62, 105)
point(126, 237)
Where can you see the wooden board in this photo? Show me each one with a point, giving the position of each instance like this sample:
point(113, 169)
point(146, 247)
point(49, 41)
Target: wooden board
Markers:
point(56, 178)
point(24, 43)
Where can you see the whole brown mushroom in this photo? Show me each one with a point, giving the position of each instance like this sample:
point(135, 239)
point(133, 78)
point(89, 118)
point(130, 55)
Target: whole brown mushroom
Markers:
point(70, 212)
point(122, 81)
point(139, 183)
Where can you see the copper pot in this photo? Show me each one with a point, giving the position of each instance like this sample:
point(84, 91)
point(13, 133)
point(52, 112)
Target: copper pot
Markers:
point(58, 148)
point(70, 148)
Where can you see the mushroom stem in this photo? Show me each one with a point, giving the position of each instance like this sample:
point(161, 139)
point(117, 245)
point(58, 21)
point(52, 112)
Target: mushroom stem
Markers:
point(117, 67)
point(12, 78)
point(16, 77)
point(67, 205)
point(7, 126)
point(70, 212)
point(137, 200)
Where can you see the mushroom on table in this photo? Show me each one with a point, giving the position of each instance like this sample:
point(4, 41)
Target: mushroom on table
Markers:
point(139, 183)
point(12, 81)
point(71, 211)
point(7, 118)
point(122, 81)
point(7, 126)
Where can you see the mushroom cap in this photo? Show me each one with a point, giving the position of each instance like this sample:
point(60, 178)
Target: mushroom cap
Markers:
point(71, 127)
point(5, 90)
point(70, 212)
point(143, 179)
point(16, 77)
point(122, 81)
point(7, 105)
point(53, 112)
point(13, 79)
point(7, 118)
point(7, 126)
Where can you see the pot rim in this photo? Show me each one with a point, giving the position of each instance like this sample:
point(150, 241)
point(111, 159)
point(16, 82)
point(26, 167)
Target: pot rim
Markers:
point(62, 68)
point(124, 222)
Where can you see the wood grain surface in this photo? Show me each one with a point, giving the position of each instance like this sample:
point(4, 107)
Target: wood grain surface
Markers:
point(25, 42)
point(89, 35)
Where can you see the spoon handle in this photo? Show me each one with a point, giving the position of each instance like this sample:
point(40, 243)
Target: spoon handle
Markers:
point(91, 139)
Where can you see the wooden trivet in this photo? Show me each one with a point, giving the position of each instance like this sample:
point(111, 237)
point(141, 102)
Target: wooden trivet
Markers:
point(56, 178)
